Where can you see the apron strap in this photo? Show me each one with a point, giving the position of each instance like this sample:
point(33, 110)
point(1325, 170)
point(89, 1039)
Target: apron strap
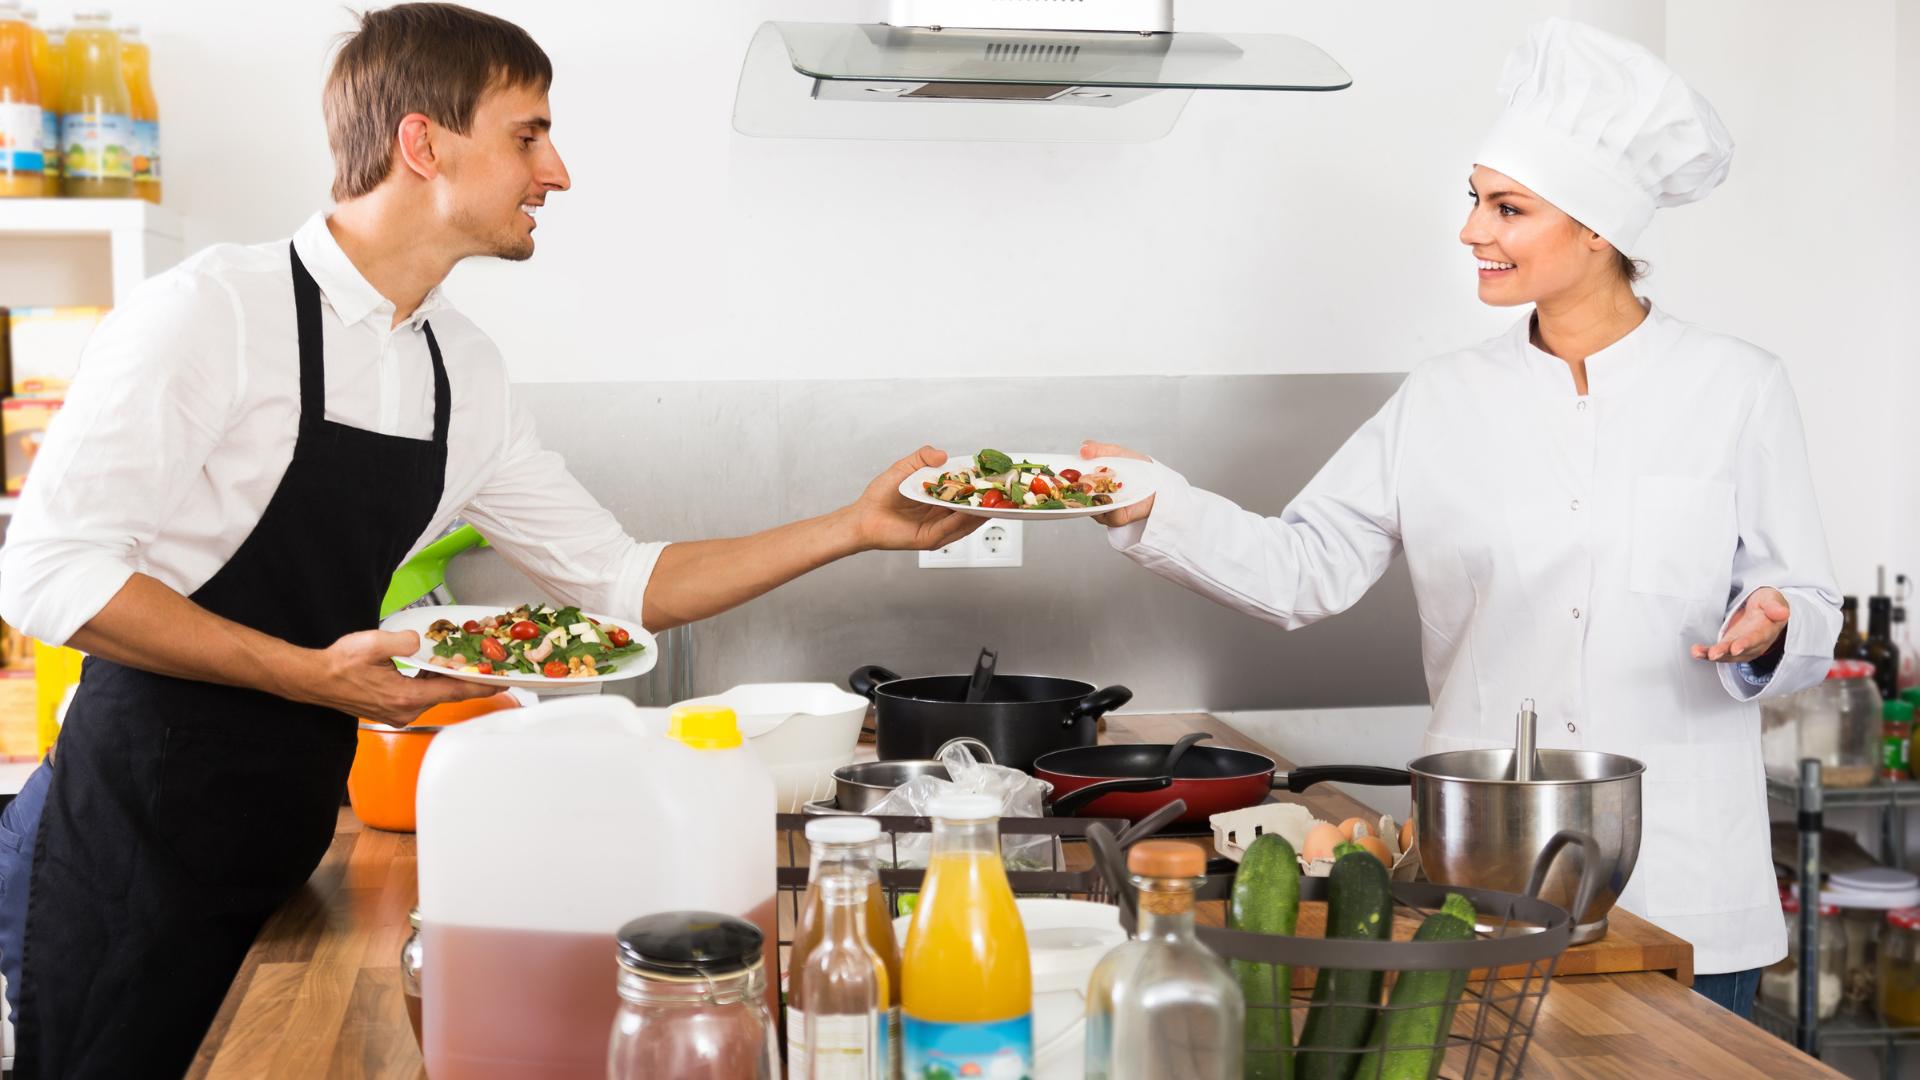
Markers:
point(442, 393)
point(313, 367)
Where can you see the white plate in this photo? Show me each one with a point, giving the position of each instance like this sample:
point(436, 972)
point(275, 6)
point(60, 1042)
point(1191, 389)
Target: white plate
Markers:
point(418, 619)
point(1135, 474)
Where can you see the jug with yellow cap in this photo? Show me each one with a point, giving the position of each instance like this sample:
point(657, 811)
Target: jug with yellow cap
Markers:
point(542, 831)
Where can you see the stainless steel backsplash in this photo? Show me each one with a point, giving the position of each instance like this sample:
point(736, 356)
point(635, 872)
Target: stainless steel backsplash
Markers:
point(687, 460)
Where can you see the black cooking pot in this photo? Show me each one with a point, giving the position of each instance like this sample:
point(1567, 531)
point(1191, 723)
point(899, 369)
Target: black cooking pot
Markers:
point(1020, 718)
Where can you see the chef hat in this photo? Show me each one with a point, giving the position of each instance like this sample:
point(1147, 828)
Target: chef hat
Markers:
point(1604, 130)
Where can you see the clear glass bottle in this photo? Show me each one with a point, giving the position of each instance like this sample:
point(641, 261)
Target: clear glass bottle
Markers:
point(1163, 1006)
point(412, 956)
point(846, 1015)
point(692, 1001)
point(841, 845)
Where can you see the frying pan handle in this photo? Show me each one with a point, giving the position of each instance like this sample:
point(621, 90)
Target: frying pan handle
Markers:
point(866, 681)
point(1066, 805)
point(1098, 704)
point(1299, 780)
point(1589, 868)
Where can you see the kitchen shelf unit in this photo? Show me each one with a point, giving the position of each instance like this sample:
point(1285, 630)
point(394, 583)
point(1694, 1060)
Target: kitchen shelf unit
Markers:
point(144, 238)
point(1810, 799)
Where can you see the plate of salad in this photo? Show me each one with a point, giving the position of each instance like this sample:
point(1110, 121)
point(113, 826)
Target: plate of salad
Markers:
point(538, 646)
point(997, 484)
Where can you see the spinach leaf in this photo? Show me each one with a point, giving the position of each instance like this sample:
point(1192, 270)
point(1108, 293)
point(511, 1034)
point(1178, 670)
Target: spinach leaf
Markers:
point(992, 462)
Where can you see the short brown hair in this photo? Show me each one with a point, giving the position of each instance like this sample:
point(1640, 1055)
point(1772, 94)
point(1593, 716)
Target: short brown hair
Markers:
point(434, 59)
point(1631, 268)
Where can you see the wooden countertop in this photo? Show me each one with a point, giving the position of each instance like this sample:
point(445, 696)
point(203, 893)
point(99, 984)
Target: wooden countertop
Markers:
point(319, 993)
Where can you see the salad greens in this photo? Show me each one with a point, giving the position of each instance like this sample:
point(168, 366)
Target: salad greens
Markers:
point(997, 482)
point(532, 639)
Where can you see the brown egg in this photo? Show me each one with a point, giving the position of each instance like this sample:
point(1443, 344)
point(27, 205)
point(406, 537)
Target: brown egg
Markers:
point(1406, 835)
point(1377, 848)
point(1320, 842)
point(1348, 826)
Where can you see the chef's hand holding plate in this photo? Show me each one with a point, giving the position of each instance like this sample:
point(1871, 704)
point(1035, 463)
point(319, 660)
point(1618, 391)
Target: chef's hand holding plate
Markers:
point(1126, 515)
point(1759, 624)
point(885, 520)
point(356, 676)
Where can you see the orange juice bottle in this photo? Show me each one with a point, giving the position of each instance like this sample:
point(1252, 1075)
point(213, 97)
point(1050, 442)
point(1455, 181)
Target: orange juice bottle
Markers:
point(49, 64)
point(135, 63)
point(22, 171)
point(96, 112)
point(967, 1002)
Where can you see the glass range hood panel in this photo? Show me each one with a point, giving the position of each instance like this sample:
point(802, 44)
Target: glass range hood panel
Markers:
point(1183, 60)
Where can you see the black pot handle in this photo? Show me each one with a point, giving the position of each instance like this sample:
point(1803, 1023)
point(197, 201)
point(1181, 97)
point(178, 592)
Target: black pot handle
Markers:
point(1098, 704)
point(1299, 780)
point(1070, 803)
point(866, 681)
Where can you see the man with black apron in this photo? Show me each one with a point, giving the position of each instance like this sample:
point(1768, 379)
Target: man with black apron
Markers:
point(255, 442)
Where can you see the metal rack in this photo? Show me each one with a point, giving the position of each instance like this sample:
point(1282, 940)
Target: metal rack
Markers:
point(1810, 799)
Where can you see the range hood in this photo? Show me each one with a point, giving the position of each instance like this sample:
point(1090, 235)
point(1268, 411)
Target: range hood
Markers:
point(1021, 70)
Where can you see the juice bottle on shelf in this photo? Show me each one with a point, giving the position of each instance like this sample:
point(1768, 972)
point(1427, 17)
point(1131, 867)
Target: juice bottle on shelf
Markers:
point(136, 62)
point(847, 987)
point(22, 170)
point(967, 1003)
point(840, 845)
point(96, 113)
point(47, 65)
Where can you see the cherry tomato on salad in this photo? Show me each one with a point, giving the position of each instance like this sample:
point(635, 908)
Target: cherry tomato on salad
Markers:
point(994, 498)
point(471, 626)
point(523, 631)
point(619, 638)
point(492, 649)
point(1040, 487)
point(555, 669)
point(1071, 476)
point(486, 668)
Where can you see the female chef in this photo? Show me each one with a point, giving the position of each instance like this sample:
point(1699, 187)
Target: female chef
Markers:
point(1605, 508)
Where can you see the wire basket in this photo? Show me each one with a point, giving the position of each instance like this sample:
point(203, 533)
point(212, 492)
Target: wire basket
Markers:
point(1502, 975)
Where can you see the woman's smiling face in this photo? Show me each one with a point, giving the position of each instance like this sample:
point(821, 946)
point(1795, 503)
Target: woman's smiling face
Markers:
point(1529, 249)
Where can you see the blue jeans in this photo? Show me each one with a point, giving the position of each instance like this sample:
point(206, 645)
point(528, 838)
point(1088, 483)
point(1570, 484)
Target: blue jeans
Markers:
point(1732, 991)
point(19, 824)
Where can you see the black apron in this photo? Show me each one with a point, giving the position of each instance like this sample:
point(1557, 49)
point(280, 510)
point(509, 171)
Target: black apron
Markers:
point(182, 814)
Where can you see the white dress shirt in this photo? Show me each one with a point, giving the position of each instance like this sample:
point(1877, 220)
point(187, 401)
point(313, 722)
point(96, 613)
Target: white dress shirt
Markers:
point(1571, 549)
point(182, 418)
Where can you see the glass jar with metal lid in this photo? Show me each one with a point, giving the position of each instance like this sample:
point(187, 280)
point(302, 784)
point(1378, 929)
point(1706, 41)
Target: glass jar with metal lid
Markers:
point(1900, 969)
point(693, 1002)
point(1780, 984)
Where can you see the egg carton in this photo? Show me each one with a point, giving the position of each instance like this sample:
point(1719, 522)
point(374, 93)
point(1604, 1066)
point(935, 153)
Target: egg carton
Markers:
point(1235, 830)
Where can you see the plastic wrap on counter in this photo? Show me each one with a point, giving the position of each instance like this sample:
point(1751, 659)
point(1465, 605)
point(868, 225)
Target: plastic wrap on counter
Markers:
point(1020, 795)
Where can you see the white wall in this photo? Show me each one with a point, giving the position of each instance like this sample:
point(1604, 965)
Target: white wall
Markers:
point(1267, 233)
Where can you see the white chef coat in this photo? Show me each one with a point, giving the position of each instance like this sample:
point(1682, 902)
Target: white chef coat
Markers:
point(1571, 549)
point(182, 418)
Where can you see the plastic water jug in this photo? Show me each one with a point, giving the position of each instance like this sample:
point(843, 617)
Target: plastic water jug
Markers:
point(541, 832)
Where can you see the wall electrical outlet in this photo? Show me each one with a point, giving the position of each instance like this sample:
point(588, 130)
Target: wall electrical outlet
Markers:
point(995, 544)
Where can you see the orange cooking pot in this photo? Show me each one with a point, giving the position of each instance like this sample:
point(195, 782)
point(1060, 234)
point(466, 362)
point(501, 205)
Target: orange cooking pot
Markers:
point(386, 767)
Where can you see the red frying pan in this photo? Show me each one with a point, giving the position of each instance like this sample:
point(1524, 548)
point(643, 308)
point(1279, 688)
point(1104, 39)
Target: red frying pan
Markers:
point(1210, 779)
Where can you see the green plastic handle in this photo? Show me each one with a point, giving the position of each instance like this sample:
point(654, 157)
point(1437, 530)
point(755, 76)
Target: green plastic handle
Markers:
point(427, 571)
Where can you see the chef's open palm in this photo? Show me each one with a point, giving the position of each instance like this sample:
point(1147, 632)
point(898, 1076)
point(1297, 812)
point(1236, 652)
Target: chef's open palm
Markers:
point(1126, 515)
point(1760, 622)
point(358, 678)
point(889, 521)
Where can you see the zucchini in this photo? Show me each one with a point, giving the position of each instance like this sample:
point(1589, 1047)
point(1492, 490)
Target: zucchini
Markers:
point(1266, 900)
point(1421, 1007)
point(1360, 907)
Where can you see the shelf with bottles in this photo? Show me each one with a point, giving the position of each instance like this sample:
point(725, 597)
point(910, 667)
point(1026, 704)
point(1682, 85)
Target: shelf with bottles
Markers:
point(78, 117)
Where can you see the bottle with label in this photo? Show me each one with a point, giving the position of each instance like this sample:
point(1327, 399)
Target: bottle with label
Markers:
point(1163, 1005)
point(1897, 726)
point(846, 1011)
point(1849, 645)
point(136, 62)
point(1903, 634)
point(52, 73)
point(1881, 651)
point(967, 1003)
point(96, 113)
point(840, 845)
point(22, 169)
